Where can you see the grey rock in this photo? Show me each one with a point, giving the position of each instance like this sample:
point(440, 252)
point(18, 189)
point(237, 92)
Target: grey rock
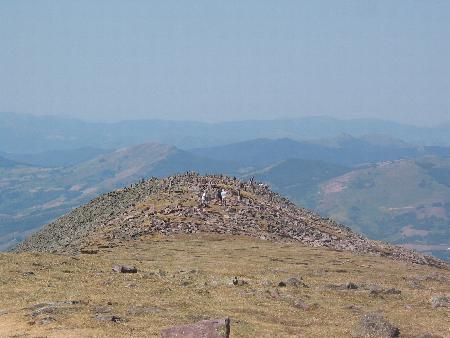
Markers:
point(274, 293)
point(239, 282)
point(376, 290)
point(342, 287)
point(124, 268)
point(375, 325)
point(301, 304)
point(291, 281)
point(351, 286)
point(440, 301)
point(88, 251)
point(108, 317)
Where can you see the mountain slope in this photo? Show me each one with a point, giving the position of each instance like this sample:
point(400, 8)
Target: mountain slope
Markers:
point(32, 196)
point(299, 179)
point(171, 206)
point(8, 163)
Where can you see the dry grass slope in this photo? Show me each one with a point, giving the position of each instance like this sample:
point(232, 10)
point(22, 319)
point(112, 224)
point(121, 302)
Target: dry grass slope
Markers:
point(186, 278)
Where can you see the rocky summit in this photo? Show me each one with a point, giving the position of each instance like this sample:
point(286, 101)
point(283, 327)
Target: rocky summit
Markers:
point(174, 205)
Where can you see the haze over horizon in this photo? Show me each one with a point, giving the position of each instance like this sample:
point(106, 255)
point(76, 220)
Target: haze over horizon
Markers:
point(118, 120)
point(211, 61)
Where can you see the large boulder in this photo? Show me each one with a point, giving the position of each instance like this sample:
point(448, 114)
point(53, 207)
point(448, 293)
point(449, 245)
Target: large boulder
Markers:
point(374, 325)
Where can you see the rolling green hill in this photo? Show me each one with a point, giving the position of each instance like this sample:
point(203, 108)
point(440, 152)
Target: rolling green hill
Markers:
point(405, 202)
point(56, 158)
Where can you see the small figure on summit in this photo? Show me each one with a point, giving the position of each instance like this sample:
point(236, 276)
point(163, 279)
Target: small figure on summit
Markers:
point(223, 194)
point(219, 195)
point(204, 199)
point(239, 196)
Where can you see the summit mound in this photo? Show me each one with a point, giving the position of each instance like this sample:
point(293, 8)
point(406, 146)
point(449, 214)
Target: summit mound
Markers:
point(172, 206)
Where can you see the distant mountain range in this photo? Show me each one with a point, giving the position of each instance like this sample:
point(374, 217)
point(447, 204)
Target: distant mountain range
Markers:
point(29, 134)
point(344, 150)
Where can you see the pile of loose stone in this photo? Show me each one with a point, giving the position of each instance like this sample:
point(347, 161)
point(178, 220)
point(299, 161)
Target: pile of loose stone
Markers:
point(173, 206)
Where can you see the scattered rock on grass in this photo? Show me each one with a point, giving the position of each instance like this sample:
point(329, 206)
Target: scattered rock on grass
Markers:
point(274, 293)
point(46, 320)
point(301, 304)
point(292, 281)
point(435, 277)
point(108, 318)
point(351, 286)
point(344, 287)
point(218, 328)
point(239, 282)
point(376, 290)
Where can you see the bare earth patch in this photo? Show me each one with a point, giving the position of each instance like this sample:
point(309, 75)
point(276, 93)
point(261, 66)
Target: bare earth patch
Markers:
point(337, 184)
point(409, 231)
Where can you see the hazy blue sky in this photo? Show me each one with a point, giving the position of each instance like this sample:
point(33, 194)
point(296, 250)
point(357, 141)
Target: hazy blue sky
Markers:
point(223, 60)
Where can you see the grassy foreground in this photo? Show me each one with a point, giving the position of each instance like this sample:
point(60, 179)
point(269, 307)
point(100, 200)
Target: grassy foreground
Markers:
point(183, 279)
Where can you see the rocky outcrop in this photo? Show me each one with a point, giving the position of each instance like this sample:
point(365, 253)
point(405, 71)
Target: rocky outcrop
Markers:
point(173, 206)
